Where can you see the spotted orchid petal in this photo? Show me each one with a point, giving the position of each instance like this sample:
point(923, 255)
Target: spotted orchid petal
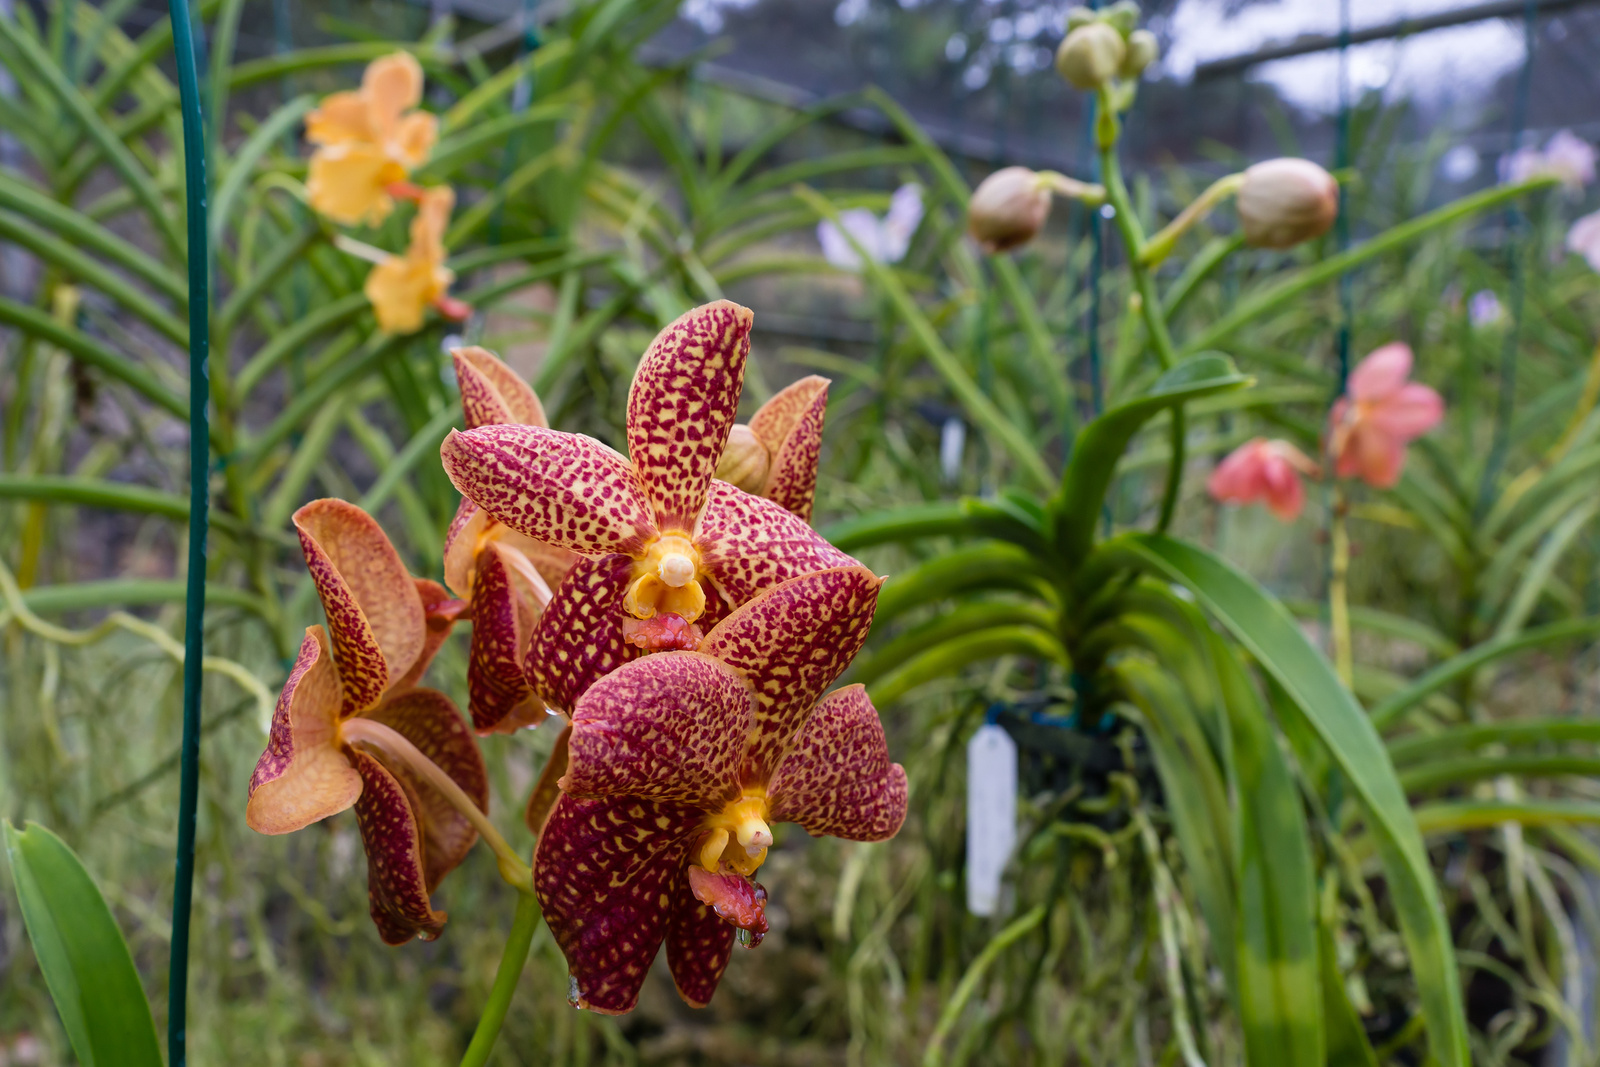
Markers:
point(699, 942)
point(668, 727)
point(507, 596)
point(396, 884)
point(492, 392)
point(375, 617)
point(791, 643)
point(681, 408)
point(470, 533)
point(579, 638)
point(836, 777)
point(605, 871)
point(563, 489)
point(790, 425)
point(748, 544)
point(303, 775)
point(430, 721)
point(732, 898)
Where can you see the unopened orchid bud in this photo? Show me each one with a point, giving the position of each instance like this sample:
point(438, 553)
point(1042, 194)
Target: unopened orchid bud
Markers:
point(1123, 16)
point(1090, 55)
point(1079, 16)
point(1283, 202)
point(1008, 208)
point(745, 461)
point(1143, 49)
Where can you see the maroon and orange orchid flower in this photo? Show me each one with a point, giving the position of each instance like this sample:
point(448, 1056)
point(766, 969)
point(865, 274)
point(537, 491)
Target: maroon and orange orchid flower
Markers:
point(775, 456)
point(352, 729)
point(504, 576)
point(679, 763)
point(666, 550)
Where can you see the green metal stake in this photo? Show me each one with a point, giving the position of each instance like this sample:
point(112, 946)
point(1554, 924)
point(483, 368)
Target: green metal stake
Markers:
point(199, 253)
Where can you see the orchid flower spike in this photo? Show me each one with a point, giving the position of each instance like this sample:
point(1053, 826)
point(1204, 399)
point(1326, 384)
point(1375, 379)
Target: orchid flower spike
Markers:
point(352, 729)
point(1381, 412)
point(1264, 471)
point(402, 288)
point(665, 551)
point(504, 577)
point(775, 456)
point(678, 766)
point(369, 142)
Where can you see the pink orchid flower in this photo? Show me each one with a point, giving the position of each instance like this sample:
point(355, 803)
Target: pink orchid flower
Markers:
point(1265, 471)
point(1381, 412)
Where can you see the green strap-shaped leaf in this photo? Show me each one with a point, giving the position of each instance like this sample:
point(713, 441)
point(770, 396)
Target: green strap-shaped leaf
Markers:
point(93, 352)
point(1425, 748)
point(1267, 631)
point(81, 952)
point(1348, 1045)
point(1103, 441)
point(968, 517)
point(986, 565)
point(941, 661)
point(958, 621)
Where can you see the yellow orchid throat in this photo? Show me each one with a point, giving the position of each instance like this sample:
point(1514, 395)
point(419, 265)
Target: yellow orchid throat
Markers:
point(738, 836)
point(666, 581)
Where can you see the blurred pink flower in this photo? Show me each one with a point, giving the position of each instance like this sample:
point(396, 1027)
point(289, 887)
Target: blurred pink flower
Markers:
point(885, 240)
point(1381, 412)
point(1263, 470)
point(1565, 156)
point(1584, 239)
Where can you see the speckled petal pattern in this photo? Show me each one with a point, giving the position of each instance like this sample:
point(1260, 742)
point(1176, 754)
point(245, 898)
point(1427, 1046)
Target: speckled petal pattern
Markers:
point(429, 720)
point(579, 636)
point(492, 392)
point(461, 546)
point(502, 627)
point(605, 873)
point(545, 790)
point(396, 887)
point(303, 775)
point(790, 425)
point(793, 642)
point(836, 778)
point(561, 488)
point(681, 408)
point(375, 617)
point(698, 946)
point(748, 544)
point(667, 727)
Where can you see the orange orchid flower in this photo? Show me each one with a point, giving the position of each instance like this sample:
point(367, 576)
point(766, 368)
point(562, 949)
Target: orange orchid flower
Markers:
point(352, 729)
point(677, 765)
point(369, 140)
point(504, 576)
point(1381, 413)
point(775, 456)
point(1264, 470)
point(402, 288)
point(665, 550)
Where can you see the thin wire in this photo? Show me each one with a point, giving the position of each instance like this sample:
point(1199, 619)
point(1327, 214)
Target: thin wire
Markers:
point(1341, 160)
point(194, 162)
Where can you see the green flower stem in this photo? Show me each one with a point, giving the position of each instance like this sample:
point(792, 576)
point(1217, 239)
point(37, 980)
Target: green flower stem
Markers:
point(1161, 245)
point(392, 744)
point(512, 960)
point(1339, 590)
point(1276, 296)
point(1149, 306)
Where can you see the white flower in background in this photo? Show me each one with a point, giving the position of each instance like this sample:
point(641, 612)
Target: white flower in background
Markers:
point(1565, 156)
point(1584, 239)
point(952, 445)
point(885, 240)
point(1484, 308)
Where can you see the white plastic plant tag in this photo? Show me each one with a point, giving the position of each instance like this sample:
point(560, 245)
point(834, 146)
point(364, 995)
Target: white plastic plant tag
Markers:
point(991, 815)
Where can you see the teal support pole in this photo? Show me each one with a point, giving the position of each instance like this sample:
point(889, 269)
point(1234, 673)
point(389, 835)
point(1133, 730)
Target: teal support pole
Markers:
point(199, 253)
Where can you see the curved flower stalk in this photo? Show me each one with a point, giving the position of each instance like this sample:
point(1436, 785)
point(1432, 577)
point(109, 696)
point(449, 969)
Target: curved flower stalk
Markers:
point(351, 728)
point(1381, 412)
point(369, 140)
point(665, 549)
point(678, 764)
point(505, 577)
point(1265, 471)
point(402, 288)
point(775, 456)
